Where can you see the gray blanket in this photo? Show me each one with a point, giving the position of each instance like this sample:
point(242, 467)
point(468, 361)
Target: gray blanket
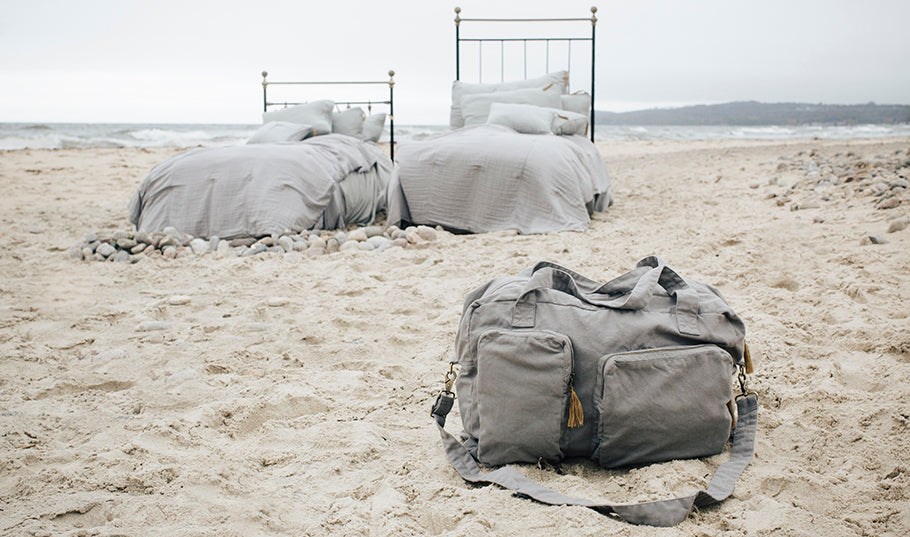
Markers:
point(254, 190)
point(490, 178)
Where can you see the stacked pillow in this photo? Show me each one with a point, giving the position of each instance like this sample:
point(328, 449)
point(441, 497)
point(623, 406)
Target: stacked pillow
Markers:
point(301, 121)
point(556, 82)
point(537, 105)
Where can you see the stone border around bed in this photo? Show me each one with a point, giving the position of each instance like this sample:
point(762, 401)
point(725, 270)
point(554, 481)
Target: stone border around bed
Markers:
point(293, 244)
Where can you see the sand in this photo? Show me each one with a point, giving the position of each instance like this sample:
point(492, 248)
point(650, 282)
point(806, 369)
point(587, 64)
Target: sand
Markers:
point(293, 398)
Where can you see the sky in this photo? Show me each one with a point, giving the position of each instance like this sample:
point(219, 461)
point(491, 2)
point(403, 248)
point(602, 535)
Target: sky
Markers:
point(193, 61)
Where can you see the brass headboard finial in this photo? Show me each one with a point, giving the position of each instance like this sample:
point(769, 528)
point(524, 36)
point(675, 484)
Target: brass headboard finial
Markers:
point(457, 16)
point(264, 74)
point(391, 77)
point(593, 14)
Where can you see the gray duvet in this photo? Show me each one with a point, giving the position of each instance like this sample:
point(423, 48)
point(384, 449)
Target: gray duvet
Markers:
point(490, 178)
point(254, 190)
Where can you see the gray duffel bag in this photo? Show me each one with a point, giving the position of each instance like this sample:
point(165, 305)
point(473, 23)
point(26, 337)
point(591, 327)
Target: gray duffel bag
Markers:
point(554, 365)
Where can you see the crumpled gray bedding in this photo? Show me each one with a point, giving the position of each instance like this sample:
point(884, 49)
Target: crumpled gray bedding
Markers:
point(490, 178)
point(325, 182)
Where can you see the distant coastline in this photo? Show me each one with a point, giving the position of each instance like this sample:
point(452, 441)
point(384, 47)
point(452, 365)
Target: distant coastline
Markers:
point(753, 113)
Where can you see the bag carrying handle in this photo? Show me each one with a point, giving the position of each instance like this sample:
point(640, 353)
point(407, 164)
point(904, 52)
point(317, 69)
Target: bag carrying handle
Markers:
point(635, 290)
point(654, 513)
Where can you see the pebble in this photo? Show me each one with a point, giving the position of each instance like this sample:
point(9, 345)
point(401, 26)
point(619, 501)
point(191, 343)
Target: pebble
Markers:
point(105, 249)
point(178, 300)
point(122, 257)
point(286, 243)
point(278, 301)
point(897, 225)
point(358, 235)
point(199, 246)
point(256, 327)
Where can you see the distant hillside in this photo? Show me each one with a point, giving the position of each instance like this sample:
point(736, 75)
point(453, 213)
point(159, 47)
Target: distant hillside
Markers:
point(755, 113)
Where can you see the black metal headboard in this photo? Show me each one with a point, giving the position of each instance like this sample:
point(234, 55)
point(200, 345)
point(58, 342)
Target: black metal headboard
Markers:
point(502, 40)
point(390, 102)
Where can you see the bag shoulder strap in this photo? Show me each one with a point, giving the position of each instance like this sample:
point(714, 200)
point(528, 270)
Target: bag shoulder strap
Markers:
point(655, 513)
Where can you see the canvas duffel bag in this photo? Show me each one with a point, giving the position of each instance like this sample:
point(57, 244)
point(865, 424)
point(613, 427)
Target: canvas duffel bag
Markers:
point(554, 365)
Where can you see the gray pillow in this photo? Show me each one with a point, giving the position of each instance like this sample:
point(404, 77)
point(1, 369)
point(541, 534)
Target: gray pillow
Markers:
point(566, 122)
point(315, 113)
point(373, 126)
point(523, 118)
point(349, 122)
point(280, 131)
point(475, 108)
point(556, 80)
point(578, 102)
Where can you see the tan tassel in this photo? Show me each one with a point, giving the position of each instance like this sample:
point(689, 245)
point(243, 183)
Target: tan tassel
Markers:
point(747, 358)
point(576, 412)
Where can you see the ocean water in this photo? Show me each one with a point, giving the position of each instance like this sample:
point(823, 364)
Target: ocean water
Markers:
point(83, 135)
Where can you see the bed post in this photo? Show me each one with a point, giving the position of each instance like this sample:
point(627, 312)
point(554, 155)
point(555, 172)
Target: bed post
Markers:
point(392, 116)
point(457, 43)
point(593, 34)
point(265, 101)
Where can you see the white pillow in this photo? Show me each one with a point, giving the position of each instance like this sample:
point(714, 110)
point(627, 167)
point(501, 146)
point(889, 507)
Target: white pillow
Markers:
point(315, 113)
point(578, 102)
point(373, 126)
point(349, 122)
point(281, 131)
point(555, 81)
point(523, 118)
point(566, 122)
point(475, 108)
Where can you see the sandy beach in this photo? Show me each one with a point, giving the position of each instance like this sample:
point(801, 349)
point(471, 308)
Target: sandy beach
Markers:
point(293, 398)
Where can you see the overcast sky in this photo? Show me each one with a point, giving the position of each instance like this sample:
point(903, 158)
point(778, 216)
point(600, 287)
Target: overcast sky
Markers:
point(192, 61)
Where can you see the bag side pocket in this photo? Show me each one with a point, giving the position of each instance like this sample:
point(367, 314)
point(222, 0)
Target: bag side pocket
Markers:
point(523, 386)
point(663, 404)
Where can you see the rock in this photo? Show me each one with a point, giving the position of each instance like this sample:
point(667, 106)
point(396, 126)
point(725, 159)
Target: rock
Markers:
point(126, 244)
point(315, 251)
point(178, 300)
point(315, 241)
point(888, 203)
point(818, 220)
point(286, 243)
point(246, 241)
point(349, 246)
point(122, 257)
point(278, 301)
point(300, 246)
point(372, 231)
point(199, 246)
point(151, 326)
point(171, 231)
point(87, 253)
point(90, 238)
point(899, 183)
point(257, 248)
point(400, 242)
point(426, 233)
point(872, 239)
point(170, 252)
point(120, 235)
point(105, 249)
point(897, 225)
point(214, 241)
point(413, 237)
point(143, 237)
point(267, 241)
point(256, 327)
point(139, 248)
point(332, 245)
point(392, 231)
point(341, 236)
point(358, 235)
point(275, 250)
point(366, 246)
point(224, 249)
point(75, 253)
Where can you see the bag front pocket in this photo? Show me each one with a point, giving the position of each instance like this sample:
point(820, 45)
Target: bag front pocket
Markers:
point(663, 404)
point(523, 384)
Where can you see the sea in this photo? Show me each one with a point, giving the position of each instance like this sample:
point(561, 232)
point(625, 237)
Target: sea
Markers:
point(85, 135)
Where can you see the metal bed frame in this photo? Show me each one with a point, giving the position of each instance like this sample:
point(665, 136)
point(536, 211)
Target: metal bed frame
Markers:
point(390, 102)
point(501, 40)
